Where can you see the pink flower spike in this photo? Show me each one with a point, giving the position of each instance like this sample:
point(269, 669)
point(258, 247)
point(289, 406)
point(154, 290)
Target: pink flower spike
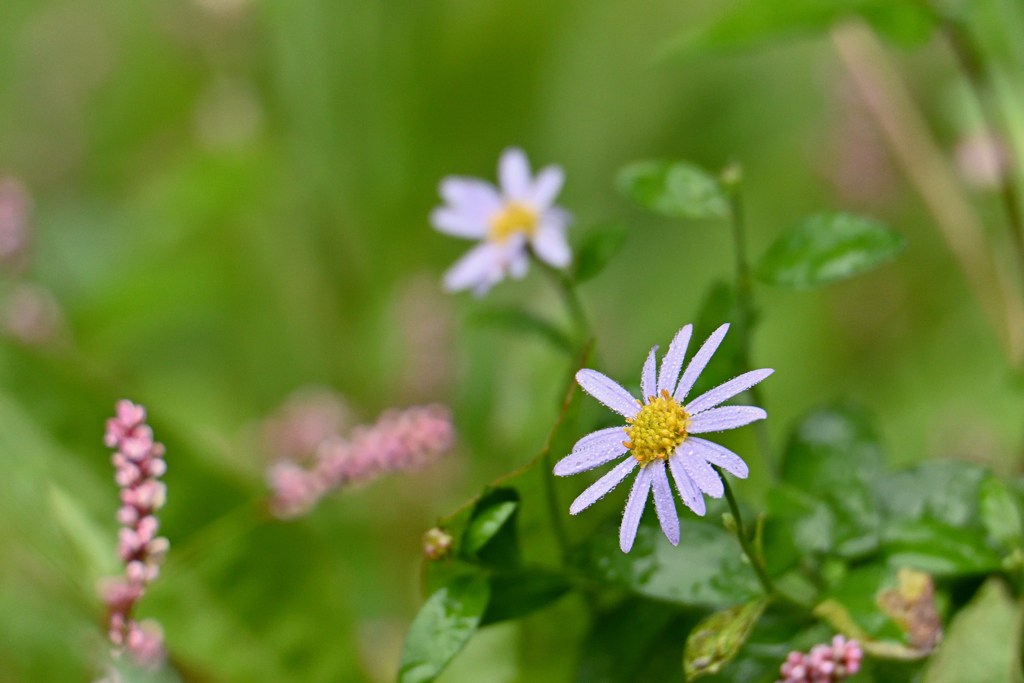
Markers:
point(138, 461)
point(399, 441)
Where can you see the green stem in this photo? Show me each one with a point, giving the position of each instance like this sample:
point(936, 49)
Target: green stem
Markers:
point(756, 560)
point(572, 302)
point(745, 303)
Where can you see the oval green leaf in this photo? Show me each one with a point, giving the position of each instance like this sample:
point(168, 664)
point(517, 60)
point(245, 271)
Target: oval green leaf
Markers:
point(707, 569)
point(486, 524)
point(444, 624)
point(827, 248)
point(677, 189)
point(714, 642)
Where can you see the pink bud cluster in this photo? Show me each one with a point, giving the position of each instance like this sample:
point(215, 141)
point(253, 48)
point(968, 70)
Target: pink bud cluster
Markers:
point(401, 440)
point(824, 664)
point(139, 463)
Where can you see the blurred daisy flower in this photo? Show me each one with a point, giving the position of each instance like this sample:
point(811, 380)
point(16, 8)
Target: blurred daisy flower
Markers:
point(509, 222)
point(659, 432)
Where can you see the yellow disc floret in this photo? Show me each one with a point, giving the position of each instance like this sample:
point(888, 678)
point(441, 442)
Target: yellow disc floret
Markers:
point(514, 219)
point(657, 429)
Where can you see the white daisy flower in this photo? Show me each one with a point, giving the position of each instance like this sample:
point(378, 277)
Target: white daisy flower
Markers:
point(661, 431)
point(506, 221)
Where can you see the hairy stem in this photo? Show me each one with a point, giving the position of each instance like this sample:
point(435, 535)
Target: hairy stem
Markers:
point(756, 560)
point(745, 302)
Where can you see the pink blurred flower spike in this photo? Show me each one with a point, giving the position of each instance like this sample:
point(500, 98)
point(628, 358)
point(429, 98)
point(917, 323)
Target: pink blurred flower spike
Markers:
point(138, 464)
point(401, 440)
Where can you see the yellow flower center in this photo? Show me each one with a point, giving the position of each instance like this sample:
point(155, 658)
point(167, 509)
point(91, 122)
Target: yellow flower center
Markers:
point(514, 219)
point(657, 429)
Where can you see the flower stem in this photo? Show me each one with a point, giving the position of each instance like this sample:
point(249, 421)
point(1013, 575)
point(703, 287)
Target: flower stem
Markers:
point(572, 302)
point(731, 179)
point(756, 559)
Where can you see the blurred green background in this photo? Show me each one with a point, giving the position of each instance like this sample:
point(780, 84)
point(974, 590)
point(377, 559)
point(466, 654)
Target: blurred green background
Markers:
point(231, 203)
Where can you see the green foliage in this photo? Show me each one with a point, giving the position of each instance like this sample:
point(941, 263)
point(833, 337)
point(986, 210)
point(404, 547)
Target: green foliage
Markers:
point(517, 594)
point(827, 248)
point(444, 624)
point(716, 640)
point(706, 569)
point(596, 250)
point(635, 641)
point(1000, 514)
point(982, 644)
point(677, 189)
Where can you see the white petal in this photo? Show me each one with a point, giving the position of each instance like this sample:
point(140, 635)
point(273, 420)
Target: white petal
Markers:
point(551, 247)
point(602, 486)
point(648, 385)
point(699, 362)
point(634, 509)
point(719, 455)
point(457, 224)
point(687, 489)
point(480, 265)
point(727, 417)
point(664, 502)
point(700, 471)
point(602, 437)
point(519, 265)
point(471, 196)
point(514, 174)
point(608, 392)
point(673, 360)
point(546, 187)
point(589, 458)
point(724, 392)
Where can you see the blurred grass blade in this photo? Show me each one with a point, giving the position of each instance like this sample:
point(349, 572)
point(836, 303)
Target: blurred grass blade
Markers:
point(95, 546)
point(677, 189)
point(444, 624)
point(827, 248)
point(519, 321)
point(714, 642)
point(754, 22)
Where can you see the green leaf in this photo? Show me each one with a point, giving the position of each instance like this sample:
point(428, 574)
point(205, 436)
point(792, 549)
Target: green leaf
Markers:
point(677, 189)
point(518, 321)
point(707, 569)
point(520, 593)
point(982, 644)
point(598, 248)
point(635, 641)
point(490, 516)
point(938, 549)
point(832, 446)
point(716, 640)
point(946, 491)
point(444, 624)
point(826, 248)
point(825, 503)
point(1000, 514)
